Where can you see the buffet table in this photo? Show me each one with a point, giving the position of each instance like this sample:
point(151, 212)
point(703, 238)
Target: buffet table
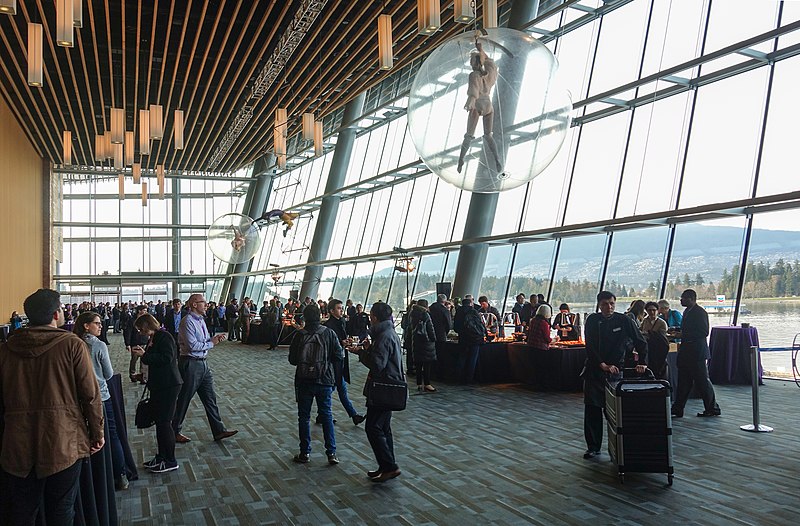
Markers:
point(557, 369)
point(261, 334)
point(730, 355)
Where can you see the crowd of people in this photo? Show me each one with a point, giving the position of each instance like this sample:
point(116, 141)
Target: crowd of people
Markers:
point(173, 341)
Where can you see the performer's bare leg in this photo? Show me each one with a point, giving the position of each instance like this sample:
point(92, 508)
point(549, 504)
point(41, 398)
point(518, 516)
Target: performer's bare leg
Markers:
point(488, 139)
point(472, 124)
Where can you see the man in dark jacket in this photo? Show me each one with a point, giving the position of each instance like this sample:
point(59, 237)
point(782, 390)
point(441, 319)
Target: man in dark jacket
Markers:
point(314, 335)
point(51, 414)
point(442, 321)
point(692, 355)
point(172, 318)
point(383, 356)
point(232, 317)
point(611, 338)
point(336, 323)
point(471, 333)
point(133, 338)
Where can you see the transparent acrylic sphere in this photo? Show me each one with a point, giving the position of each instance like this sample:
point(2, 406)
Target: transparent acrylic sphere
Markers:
point(233, 238)
point(531, 112)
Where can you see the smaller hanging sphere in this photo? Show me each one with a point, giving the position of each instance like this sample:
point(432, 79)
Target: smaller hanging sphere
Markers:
point(233, 238)
point(492, 122)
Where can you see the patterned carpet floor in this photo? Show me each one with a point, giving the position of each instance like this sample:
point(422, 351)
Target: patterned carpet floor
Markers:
point(489, 454)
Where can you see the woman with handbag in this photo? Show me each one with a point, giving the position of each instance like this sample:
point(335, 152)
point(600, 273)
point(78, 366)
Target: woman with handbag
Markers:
point(423, 344)
point(385, 389)
point(164, 382)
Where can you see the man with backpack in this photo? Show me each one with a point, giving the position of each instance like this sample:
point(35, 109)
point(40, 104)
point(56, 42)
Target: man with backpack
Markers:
point(317, 353)
point(471, 334)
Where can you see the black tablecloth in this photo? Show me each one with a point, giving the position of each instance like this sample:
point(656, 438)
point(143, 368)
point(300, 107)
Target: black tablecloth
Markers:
point(261, 334)
point(4, 331)
point(730, 355)
point(557, 369)
point(492, 367)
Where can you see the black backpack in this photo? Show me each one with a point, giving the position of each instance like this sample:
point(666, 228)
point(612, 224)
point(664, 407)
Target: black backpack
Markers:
point(312, 359)
point(473, 327)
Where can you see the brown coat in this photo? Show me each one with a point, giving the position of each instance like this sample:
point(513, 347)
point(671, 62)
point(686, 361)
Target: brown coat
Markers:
point(50, 408)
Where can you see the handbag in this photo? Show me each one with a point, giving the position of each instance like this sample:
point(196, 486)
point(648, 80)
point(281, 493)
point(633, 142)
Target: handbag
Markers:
point(144, 411)
point(388, 393)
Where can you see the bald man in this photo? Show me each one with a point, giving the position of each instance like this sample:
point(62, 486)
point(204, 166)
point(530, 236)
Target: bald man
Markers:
point(195, 342)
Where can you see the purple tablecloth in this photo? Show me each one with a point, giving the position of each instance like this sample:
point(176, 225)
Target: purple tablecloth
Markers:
point(730, 355)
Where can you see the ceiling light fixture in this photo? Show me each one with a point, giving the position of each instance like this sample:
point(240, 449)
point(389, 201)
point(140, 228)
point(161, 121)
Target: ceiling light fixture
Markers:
point(136, 170)
point(144, 193)
point(8, 7)
point(108, 146)
point(156, 121)
point(129, 147)
point(144, 132)
point(35, 55)
point(428, 16)
point(178, 129)
point(464, 11)
point(308, 126)
point(385, 56)
point(99, 148)
point(67, 136)
point(489, 14)
point(77, 13)
point(121, 183)
point(279, 137)
point(117, 125)
point(65, 28)
point(119, 155)
point(318, 144)
point(160, 176)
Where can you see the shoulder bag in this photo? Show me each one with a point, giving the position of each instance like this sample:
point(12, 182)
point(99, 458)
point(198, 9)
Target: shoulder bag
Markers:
point(144, 411)
point(388, 393)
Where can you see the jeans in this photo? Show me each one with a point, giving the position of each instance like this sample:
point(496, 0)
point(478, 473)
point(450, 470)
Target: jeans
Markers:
point(117, 455)
point(197, 378)
point(341, 390)
point(467, 362)
point(379, 433)
point(57, 492)
point(306, 394)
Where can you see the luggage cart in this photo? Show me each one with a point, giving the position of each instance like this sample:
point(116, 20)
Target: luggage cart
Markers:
point(640, 426)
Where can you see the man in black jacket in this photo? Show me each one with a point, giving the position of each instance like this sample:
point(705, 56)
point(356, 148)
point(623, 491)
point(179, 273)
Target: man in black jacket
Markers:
point(320, 388)
point(383, 356)
point(442, 320)
point(172, 318)
point(471, 333)
point(336, 323)
point(611, 338)
point(692, 355)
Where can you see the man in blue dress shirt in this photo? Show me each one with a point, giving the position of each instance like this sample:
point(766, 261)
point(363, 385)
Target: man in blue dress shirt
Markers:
point(194, 344)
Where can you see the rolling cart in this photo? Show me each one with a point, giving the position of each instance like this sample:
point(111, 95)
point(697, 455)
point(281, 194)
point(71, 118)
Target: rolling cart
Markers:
point(640, 425)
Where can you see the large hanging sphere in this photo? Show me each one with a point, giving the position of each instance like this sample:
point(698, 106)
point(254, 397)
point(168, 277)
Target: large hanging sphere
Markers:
point(525, 104)
point(233, 238)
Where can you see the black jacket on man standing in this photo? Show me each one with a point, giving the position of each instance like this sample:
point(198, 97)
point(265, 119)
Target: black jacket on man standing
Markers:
point(442, 321)
point(338, 327)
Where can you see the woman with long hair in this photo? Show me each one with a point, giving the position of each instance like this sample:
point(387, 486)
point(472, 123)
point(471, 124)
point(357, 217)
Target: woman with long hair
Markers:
point(164, 382)
point(88, 327)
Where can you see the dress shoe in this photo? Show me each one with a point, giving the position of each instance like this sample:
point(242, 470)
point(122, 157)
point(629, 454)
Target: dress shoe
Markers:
point(373, 474)
point(430, 388)
point(182, 439)
point(383, 477)
point(333, 459)
point(716, 412)
point(225, 434)
point(357, 419)
point(590, 454)
point(677, 414)
point(301, 458)
point(138, 377)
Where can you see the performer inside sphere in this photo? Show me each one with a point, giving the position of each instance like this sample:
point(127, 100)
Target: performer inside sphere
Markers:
point(238, 240)
point(479, 104)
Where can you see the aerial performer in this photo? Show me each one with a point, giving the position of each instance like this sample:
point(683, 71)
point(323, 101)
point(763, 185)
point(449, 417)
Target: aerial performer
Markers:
point(286, 217)
point(238, 240)
point(479, 104)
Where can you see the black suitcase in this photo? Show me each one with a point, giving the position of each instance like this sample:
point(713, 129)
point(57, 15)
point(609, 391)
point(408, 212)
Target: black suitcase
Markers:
point(639, 426)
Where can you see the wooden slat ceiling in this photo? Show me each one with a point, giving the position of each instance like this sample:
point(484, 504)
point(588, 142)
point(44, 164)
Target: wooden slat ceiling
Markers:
point(200, 56)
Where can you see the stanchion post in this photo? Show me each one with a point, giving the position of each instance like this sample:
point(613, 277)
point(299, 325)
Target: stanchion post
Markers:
point(756, 426)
